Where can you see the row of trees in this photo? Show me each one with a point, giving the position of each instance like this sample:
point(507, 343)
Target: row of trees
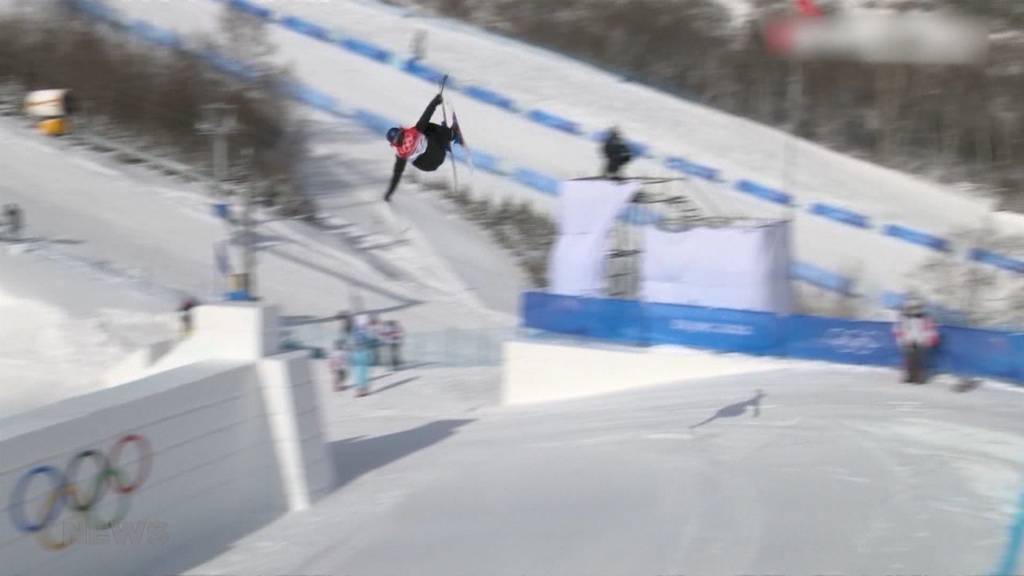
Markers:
point(952, 123)
point(155, 96)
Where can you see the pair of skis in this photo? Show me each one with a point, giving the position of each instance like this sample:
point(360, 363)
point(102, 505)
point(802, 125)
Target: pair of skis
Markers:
point(462, 142)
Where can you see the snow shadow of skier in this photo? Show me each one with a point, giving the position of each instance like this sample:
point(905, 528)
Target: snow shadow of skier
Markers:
point(357, 456)
point(737, 409)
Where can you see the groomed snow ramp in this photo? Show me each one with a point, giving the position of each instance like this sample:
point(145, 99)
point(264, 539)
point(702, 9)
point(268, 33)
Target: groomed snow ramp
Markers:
point(155, 475)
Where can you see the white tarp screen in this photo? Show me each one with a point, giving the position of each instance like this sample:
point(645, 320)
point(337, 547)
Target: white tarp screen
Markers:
point(743, 267)
point(587, 211)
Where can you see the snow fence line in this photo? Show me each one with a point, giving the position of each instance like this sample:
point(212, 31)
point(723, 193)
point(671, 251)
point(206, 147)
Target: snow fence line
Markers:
point(962, 351)
point(221, 437)
point(567, 125)
point(532, 179)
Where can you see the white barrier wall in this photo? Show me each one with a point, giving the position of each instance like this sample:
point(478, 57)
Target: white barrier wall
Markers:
point(156, 475)
point(544, 372)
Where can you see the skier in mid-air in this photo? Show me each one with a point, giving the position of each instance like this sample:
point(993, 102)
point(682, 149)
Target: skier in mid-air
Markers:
point(426, 144)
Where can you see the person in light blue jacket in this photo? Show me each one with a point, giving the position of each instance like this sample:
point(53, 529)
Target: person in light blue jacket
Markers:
point(359, 357)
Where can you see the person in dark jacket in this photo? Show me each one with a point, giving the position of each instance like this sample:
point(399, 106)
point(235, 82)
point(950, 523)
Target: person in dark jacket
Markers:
point(14, 221)
point(616, 152)
point(426, 144)
point(916, 335)
point(185, 315)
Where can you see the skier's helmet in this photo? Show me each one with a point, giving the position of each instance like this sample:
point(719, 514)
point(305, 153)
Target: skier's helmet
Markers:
point(393, 134)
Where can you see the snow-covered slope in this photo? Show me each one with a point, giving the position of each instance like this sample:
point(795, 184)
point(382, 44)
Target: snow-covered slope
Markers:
point(840, 471)
point(539, 79)
point(111, 250)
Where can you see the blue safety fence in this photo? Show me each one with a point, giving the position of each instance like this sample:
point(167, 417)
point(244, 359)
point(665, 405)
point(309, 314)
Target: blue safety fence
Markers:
point(822, 278)
point(536, 180)
point(155, 34)
point(997, 260)
point(311, 97)
point(764, 192)
point(305, 27)
point(425, 72)
point(490, 97)
point(963, 351)
point(686, 167)
point(842, 215)
point(917, 237)
point(374, 121)
point(251, 9)
point(554, 121)
point(480, 160)
point(99, 11)
point(368, 50)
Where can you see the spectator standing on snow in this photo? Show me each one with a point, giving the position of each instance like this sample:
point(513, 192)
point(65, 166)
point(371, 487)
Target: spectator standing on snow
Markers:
point(393, 336)
point(616, 153)
point(338, 364)
point(345, 327)
point(917, 336)
point(185, 316)
point(375, 330)
point(14, 220)
point(359, 357)
point(419, 45)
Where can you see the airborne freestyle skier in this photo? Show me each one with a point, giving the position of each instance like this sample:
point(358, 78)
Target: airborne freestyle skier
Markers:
point(426, 143)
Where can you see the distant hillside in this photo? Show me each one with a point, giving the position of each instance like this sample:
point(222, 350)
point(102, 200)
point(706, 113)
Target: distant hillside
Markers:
point(953, 124)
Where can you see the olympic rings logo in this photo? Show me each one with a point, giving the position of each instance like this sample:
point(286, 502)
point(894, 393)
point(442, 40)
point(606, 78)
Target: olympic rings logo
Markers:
point(66, 492)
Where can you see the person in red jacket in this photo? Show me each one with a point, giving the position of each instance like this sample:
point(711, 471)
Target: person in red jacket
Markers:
point(917, 336)
point(426, 144)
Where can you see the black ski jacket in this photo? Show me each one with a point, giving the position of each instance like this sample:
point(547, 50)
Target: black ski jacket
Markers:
point(617, 154)
point(438, 143)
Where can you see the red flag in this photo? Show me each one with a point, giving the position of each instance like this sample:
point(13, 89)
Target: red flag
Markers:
point(808, 8)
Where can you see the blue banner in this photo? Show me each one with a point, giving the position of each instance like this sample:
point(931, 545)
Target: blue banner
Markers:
point(841, 341)
point(965, 351)
point(713, 328)
point(1017, 345)
point(764, 192)
point(982, 353)
point(916, 237)
point(841, 215)
point(618, 321)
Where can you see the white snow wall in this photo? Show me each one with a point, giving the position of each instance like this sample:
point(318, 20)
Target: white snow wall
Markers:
point(226, 446)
